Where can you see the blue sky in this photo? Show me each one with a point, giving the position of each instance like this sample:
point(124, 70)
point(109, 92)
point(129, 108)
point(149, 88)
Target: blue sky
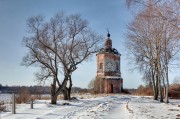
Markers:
point(101, 14)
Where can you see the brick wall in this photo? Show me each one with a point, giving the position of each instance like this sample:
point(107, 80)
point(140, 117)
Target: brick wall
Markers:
point(112, 86)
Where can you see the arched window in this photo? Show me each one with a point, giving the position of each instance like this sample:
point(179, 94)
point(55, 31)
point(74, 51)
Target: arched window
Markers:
point(117, 66)
point(101, 66)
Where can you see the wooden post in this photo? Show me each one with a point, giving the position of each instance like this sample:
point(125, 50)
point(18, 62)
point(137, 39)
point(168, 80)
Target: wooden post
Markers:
point(100, 85)
point(13, 104)
point(31, 103)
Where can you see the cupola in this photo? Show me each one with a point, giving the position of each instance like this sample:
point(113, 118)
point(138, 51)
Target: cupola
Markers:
point(108, 43)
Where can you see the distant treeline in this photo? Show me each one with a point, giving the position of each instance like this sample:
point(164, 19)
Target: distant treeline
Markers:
point(34, 89)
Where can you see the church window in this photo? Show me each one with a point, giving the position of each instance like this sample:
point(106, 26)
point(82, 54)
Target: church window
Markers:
point(101, 66)
point(117, 66)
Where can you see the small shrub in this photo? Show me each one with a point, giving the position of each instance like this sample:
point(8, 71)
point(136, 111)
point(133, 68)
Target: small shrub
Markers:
point(174, 91)
point(23, 96)
point(2, 106)
point(144, 91)
point(125, 91)
point(38, 96)
point(38, 92)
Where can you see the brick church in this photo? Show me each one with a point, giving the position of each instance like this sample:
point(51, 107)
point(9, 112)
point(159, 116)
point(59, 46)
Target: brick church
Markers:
point(108, 69)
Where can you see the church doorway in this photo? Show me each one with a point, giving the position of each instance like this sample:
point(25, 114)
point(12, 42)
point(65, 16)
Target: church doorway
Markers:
point(111, 88)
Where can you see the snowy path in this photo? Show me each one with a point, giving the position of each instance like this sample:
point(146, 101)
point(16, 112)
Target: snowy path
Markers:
point(105, 107)
point(119, 109)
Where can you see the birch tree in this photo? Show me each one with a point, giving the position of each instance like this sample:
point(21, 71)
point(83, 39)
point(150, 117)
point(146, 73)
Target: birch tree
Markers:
point(153, 42)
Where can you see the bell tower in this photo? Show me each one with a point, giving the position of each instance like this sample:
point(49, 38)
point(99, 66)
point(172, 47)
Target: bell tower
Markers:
point(108, 77)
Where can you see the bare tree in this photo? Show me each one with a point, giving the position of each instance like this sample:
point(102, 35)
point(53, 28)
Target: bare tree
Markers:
point(91, 84)
point(98, 85)
point(153, 42)
point(59, 45)
point(142, 3)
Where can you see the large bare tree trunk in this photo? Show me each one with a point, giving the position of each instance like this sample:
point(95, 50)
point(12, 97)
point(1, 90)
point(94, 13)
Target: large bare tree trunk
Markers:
point(164, 86)
point(53, 92)
point(159, 84)
point(53, 99)
point(69, 89)
point(159, 79)
point(166, 73)
point(65, 94)
point(154, 82)
point(160, 91)
point(156, 88)
point(167, 86)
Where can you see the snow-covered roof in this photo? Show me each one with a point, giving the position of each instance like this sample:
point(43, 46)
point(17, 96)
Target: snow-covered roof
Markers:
point(112, 77)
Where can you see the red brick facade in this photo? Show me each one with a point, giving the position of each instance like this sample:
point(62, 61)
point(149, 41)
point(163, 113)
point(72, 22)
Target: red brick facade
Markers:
point(108, 69)
point(112, 86)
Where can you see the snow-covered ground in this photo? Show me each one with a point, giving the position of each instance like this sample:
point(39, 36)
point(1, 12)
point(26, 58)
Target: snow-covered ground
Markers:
point(5, 97)
point(98, 107)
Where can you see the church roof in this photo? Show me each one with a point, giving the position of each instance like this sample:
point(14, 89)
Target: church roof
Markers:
point(105, 50)
point(113, 77)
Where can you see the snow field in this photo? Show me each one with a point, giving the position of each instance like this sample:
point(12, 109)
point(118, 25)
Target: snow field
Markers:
point(98, 107)
point(147, 108)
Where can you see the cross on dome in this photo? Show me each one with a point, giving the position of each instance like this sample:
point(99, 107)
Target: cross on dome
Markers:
point(108, 43)
point(108, 35)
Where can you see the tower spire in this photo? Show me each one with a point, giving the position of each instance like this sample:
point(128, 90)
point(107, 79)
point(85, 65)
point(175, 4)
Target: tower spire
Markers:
point(108, 35)
point(108, 43)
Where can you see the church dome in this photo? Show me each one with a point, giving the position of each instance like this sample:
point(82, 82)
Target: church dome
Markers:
point(108, 43)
